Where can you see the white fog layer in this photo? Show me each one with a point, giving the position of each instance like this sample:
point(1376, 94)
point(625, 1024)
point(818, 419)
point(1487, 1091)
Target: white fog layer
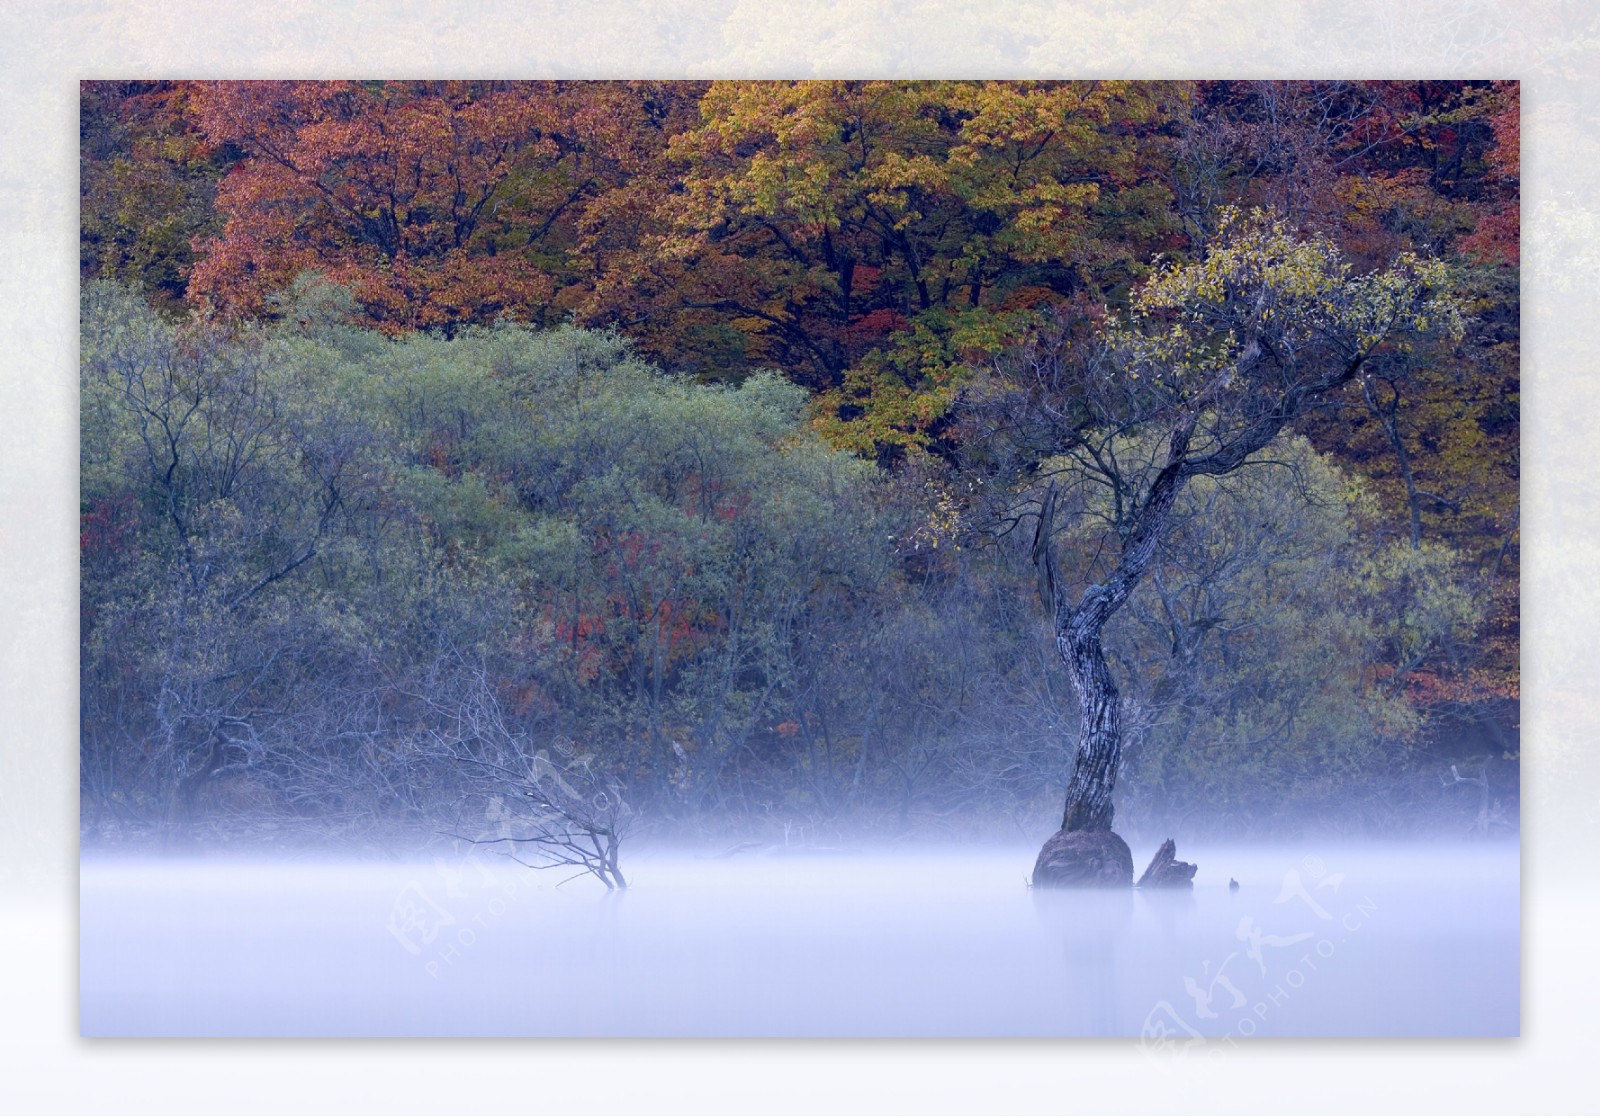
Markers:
point(1391, 940)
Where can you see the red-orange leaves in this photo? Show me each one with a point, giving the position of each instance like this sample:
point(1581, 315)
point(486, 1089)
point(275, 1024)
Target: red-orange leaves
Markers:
point(394, 189)
point(1498, 235)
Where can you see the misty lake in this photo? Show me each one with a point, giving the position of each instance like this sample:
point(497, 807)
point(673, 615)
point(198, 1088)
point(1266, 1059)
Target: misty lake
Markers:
point(1318, 940)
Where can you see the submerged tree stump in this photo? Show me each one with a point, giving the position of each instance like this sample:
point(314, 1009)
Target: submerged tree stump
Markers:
point(1084, 859)
point(1166, 871)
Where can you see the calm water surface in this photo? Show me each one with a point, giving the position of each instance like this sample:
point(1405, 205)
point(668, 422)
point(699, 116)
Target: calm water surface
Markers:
point(1402, 940)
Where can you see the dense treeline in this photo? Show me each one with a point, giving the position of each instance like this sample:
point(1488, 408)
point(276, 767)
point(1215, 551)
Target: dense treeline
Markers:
point(433, 430)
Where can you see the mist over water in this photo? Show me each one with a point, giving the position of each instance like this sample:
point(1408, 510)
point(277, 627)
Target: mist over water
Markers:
point(1319, 940)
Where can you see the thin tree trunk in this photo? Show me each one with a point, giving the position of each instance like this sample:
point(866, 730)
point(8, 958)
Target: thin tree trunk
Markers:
point(1388, 416)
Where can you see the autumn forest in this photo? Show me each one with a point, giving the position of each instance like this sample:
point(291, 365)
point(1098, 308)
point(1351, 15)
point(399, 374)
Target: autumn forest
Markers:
point(761, 458)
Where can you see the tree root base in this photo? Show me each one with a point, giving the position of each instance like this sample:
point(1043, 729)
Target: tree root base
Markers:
point(1084, 859)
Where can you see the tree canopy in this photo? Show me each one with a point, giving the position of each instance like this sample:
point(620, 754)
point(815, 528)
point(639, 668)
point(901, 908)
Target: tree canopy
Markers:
point(681, 421)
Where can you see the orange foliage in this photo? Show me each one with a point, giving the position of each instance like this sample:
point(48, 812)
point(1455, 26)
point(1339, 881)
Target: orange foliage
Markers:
point(437, 203)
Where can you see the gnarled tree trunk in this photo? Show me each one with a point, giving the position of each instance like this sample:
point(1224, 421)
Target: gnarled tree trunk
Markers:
point(1094, 774)
point(1235, 346)
point(1088, 809)
point(1079, 630)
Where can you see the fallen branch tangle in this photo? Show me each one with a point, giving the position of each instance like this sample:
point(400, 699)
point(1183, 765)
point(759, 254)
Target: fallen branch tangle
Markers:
point(582, 829)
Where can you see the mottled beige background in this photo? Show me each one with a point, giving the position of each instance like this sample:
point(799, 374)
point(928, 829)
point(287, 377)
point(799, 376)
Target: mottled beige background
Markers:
point(46, 48)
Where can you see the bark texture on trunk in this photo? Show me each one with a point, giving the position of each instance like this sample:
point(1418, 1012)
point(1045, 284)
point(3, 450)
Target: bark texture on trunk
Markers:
point(1088, 805)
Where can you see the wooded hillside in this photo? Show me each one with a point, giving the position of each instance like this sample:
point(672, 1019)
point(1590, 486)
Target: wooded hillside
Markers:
point(426, 425)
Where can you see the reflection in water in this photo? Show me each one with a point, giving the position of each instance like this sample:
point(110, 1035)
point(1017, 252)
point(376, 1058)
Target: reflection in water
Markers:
point(1089, 923)
point(1356, 941)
